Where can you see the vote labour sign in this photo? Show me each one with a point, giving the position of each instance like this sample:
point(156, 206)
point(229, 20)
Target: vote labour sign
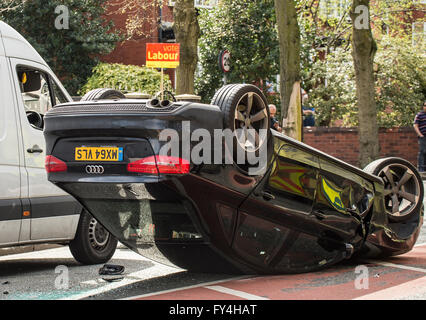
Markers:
point(162, 55)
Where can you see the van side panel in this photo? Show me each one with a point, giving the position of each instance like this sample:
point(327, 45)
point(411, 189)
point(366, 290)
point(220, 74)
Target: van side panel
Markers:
point(54, 213)
point(16, 46)
point(10, 175)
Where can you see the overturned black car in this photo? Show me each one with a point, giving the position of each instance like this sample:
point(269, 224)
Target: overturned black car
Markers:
point(169, 181)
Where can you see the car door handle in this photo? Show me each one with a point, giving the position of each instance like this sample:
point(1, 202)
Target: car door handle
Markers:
point(319, 214)
point(267, 196)
point(35, 149)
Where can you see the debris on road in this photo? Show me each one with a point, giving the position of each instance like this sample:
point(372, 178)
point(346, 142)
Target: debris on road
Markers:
point(111, 270)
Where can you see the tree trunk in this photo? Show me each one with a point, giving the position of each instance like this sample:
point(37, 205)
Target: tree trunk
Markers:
point(187, 32)
point(289, 41)
point(364, 49)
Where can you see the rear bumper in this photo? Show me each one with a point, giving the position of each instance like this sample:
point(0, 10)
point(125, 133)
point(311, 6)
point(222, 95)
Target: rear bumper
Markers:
point(138, 123)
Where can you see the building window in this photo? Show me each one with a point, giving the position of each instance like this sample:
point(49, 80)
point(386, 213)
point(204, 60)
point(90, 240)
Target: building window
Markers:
point(419, 32)
point(333, 8)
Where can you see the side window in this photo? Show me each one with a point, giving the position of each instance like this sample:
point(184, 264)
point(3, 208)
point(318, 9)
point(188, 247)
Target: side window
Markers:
point(37, 94)
point(58, 94)
point(35, 91)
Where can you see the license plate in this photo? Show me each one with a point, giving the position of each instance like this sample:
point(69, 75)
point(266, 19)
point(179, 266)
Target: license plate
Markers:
point(99, 154)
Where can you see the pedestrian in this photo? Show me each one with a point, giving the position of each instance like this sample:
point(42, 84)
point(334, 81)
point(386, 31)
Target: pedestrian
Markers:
point(275, 124)
point(420, 128)
point(308, 113)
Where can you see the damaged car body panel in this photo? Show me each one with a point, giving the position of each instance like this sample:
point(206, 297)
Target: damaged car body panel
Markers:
point(304, 211)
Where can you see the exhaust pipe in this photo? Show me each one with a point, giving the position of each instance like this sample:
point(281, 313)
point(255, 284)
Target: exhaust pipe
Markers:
point(165, 103)
point(155, 103)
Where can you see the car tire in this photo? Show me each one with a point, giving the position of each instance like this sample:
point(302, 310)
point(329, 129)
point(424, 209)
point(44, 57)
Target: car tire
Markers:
point(244, 106)
point(103, 94)
point(93, 244)
point(403, 191)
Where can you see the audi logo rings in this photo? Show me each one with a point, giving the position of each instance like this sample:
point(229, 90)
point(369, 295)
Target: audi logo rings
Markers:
point(95, 169)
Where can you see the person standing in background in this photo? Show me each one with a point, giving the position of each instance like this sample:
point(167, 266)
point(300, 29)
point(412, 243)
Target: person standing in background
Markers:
point(420, 128)
point(275, 124)
point(308, 113)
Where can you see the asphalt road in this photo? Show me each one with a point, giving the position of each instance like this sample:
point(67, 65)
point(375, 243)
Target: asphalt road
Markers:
point(53, 274)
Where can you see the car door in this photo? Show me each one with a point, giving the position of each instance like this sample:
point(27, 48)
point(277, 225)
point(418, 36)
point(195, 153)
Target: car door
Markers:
point(10, 161)
point(274, 226)
point(343, 197)
point(53, 214)
point(292, 182)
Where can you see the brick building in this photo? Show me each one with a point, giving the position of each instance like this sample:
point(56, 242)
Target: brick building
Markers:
point(133, 51)
point(156, 29)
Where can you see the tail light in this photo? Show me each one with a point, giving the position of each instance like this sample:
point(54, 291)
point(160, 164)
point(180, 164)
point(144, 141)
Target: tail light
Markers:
point(54, 164)
point(160, 165)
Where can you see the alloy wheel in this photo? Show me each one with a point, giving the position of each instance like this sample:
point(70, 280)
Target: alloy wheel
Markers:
point(251, 116)
point(402, 190)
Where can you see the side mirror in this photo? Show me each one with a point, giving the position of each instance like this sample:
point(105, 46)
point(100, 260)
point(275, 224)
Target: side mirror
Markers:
point(30, 80)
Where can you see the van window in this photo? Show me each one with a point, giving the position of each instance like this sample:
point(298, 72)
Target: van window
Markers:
point(35, 90)
point(58, 94)
point(38, 93)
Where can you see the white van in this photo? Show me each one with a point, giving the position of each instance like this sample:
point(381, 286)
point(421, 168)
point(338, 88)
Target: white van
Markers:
point(33, 210)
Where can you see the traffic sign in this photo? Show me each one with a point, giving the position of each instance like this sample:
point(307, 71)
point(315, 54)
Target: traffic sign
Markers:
point(225, 61)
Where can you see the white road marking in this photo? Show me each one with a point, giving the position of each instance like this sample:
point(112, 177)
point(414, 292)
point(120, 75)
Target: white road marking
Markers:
point(155, 271)
point(393, 265)
point(407, 289)
point(236, 293)
point(200, 285)
point(399, 266)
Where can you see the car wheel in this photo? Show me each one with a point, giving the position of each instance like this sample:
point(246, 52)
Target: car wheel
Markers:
point(403, 192)
point(246, 113)
point(103, 94)
point(93, 244)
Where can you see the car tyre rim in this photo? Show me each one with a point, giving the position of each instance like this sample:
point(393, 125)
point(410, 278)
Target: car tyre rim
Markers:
point(402, 190)
point(98, 235)
point(250, 113)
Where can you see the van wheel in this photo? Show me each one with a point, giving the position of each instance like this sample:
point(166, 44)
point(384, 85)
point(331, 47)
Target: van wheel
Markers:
point(93, 244)
point(103, 94)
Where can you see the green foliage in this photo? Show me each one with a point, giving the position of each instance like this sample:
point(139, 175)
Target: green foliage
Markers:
point(400, 71)
point(125, 78)
point(400, 82)
point(247, 29)
point(333, 91)
point(73, 52)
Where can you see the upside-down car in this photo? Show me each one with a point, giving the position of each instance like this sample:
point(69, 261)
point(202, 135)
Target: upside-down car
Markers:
point(296, 210)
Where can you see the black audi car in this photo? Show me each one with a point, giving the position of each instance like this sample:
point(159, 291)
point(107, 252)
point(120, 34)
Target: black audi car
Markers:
point(167, 179)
